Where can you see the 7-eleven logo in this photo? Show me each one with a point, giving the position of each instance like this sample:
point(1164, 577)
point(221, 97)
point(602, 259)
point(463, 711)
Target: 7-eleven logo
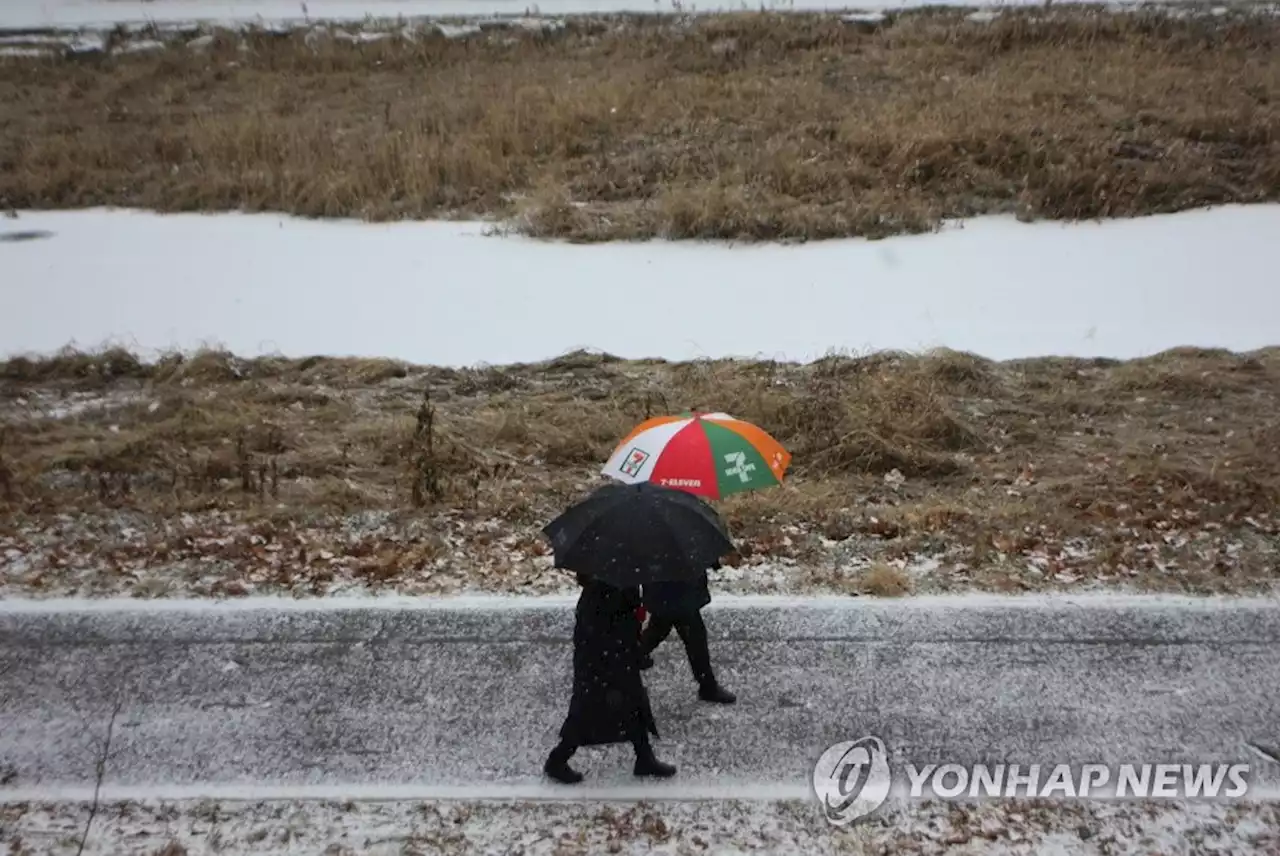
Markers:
point(738, 466)
point(634, 462)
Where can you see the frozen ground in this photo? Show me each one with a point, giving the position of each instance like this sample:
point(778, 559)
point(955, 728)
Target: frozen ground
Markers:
point(32, 14)
point(445, 293)
point(659, 828)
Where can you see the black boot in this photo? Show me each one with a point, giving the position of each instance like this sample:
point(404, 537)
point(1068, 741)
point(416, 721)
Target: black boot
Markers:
point(647, 763)
point(715, 693)
point(693, 632)
point(557, 766)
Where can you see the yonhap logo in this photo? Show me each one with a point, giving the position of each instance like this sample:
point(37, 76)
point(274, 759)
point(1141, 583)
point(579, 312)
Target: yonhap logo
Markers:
point(852, 779)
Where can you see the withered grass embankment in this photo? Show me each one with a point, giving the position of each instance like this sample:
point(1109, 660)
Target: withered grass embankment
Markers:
point(748, 126)
point(943, 471)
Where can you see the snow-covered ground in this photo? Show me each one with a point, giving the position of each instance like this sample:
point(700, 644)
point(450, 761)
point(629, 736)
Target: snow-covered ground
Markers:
point(32, 14)
point(569, 829)
point(448, 294)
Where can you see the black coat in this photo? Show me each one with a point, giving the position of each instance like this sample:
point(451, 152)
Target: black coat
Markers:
point(609, 703)
point(672, 600)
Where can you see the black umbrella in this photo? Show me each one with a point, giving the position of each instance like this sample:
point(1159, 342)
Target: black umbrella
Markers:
point(632, 534)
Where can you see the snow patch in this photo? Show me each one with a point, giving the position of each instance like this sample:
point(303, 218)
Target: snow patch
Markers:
point(34, 39)
point(141, 46)
point(282, 15)
point(30, 14)
point(864, 18)
point(991, 285)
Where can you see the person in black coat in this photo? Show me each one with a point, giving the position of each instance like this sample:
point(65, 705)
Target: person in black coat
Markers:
point(609, 702)
point(679, 605)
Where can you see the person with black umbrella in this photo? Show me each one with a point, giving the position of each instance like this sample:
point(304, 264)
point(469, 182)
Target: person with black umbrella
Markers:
point(620, 538)
point(679, 605)
point(609, 702)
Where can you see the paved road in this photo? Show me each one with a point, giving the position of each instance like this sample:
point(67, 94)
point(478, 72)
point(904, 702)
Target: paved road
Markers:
point(430, 699)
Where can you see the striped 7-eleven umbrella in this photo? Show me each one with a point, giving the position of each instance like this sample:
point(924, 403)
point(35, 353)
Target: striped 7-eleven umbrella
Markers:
point(709, 454)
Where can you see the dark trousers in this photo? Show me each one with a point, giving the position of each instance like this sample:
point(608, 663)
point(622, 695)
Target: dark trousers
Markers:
point(694, 635)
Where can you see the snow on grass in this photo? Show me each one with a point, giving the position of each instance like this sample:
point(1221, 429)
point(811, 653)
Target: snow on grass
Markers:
point(570, 828)
point(142, 46)
point(213, 554)
point(38, 404)
point(380, 19)
point(35, 39)
point(448, 294)
point(26, 14)
point(946, 603)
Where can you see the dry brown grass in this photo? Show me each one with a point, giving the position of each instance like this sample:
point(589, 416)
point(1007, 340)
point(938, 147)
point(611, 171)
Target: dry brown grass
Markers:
point(883, 580)
point(996, 467)
point(746, 126)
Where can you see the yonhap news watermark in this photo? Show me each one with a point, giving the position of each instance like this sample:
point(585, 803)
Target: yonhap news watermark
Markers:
point(851, 780)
